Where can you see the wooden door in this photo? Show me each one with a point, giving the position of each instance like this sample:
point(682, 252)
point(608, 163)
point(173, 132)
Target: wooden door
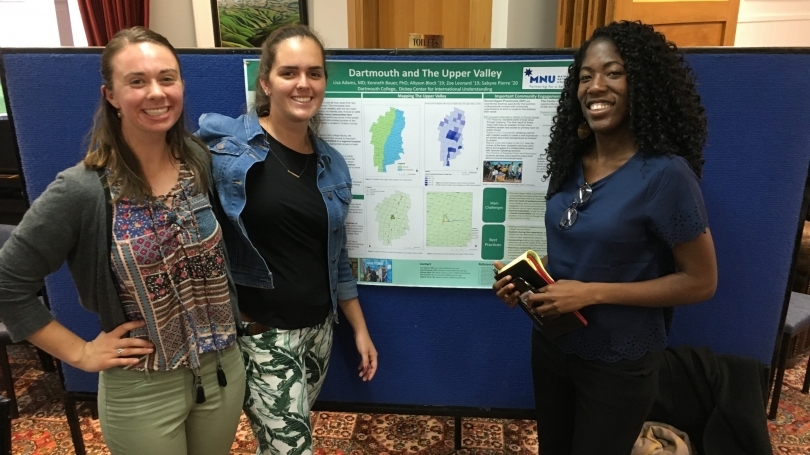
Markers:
point(580, 24)
point(387, 23)
point(565, 22)
point(686, 23)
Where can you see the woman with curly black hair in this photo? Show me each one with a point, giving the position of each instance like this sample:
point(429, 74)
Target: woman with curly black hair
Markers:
point(627, 235)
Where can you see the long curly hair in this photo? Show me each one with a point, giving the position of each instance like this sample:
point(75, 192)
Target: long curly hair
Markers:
point(666, 117)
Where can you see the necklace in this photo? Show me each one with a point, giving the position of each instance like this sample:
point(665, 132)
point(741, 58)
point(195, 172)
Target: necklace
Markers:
point(267, 137)
point(288, 169)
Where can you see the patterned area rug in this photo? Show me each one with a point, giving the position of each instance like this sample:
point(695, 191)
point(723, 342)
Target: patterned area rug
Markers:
point(42, 427)
point(790, 431)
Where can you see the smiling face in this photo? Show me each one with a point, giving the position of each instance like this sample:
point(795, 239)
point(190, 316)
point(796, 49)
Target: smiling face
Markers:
point(146, 89)
point(603, 92)
point(296, 82)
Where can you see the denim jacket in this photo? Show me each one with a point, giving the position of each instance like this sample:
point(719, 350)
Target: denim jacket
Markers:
point(236, 145)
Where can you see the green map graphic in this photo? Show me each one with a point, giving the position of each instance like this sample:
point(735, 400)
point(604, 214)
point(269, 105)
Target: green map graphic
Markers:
point(449, 219)
point(392, 215)
point(386, 138)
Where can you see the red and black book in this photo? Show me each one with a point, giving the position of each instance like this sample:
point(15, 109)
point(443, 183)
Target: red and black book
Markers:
point(528, 276)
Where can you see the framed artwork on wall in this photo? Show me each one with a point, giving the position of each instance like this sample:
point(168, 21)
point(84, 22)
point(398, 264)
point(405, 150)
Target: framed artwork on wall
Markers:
point(246, 23)
point(2, 103)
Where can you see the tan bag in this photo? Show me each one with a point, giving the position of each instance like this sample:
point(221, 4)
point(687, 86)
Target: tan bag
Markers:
point(661, 439)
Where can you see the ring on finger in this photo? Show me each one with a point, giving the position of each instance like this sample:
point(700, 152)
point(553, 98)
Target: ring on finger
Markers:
point(119, 351)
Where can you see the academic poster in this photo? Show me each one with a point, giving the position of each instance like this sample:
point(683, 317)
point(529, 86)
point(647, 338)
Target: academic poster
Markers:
point(447, 163)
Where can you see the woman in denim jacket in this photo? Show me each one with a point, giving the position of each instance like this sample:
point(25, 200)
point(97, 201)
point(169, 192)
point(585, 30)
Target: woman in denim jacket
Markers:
point(286, 194)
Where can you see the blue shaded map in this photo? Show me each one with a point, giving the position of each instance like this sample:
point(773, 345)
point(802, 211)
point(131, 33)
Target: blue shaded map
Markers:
point(450, 136)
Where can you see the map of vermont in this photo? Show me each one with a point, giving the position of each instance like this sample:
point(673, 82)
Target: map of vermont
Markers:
point(392, 216)
point(449, 219)
point(450, 135)
point(386, 138)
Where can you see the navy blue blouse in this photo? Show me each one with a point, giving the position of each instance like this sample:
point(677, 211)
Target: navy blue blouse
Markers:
point(624, 233)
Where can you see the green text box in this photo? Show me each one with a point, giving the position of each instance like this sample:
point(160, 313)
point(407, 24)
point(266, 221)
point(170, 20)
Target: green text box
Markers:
point(493, 238)
point(444, 76)
point(494, 210)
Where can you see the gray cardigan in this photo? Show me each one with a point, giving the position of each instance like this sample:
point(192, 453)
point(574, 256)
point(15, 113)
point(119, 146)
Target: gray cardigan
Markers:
point(67, 222)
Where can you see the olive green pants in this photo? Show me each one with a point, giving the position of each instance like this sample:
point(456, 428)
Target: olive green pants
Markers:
point(156, 413)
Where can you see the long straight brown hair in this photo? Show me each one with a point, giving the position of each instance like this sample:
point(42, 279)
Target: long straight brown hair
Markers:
point(107, 146)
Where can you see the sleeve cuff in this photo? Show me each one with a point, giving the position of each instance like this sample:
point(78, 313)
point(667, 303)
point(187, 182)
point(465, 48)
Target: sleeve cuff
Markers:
point(36, 318)
point(347, 290)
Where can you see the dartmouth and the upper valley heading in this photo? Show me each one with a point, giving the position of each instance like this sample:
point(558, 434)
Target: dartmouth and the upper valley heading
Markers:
point(445, 73)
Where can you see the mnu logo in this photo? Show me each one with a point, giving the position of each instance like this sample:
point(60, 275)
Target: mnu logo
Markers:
point(544, 78)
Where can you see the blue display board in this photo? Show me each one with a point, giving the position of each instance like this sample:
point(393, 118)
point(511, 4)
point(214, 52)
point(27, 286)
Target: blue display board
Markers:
point(446, 347)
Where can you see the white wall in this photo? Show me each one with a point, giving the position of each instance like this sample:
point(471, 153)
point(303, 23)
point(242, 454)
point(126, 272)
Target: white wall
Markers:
point(773, 23)
point(28, 23)
point(500, 24)
point(330, 20)
point(76, 24)
point(532, 23)
point(523, 23)
point(174, 19)
point(203, 22)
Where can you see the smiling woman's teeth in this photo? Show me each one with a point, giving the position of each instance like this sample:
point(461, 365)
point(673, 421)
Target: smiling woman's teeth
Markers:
point(599, 106)
point(302, 99)
point(160, 111)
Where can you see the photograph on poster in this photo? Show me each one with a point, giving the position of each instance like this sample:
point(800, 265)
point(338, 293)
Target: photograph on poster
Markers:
point(376, 270)
point(246, 23)
point(503, 171)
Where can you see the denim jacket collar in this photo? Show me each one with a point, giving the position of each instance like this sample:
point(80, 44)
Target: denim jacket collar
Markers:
point(254, 130)
point(252, 126)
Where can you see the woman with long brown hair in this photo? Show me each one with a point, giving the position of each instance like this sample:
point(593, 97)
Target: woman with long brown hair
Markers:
point(134, 223)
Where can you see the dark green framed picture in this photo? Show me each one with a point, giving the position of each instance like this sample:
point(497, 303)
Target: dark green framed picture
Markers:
point(2, 102)
point(246, 23)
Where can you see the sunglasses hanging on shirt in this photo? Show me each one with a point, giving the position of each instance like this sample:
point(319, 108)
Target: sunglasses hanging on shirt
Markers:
point(570, 215)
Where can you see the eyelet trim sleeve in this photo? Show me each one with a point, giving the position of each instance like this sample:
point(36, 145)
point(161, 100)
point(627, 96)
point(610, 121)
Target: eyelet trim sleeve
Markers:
point(676, 211)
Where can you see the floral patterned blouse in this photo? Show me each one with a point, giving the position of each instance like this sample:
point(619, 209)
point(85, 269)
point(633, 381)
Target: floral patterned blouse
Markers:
point(169, 262)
